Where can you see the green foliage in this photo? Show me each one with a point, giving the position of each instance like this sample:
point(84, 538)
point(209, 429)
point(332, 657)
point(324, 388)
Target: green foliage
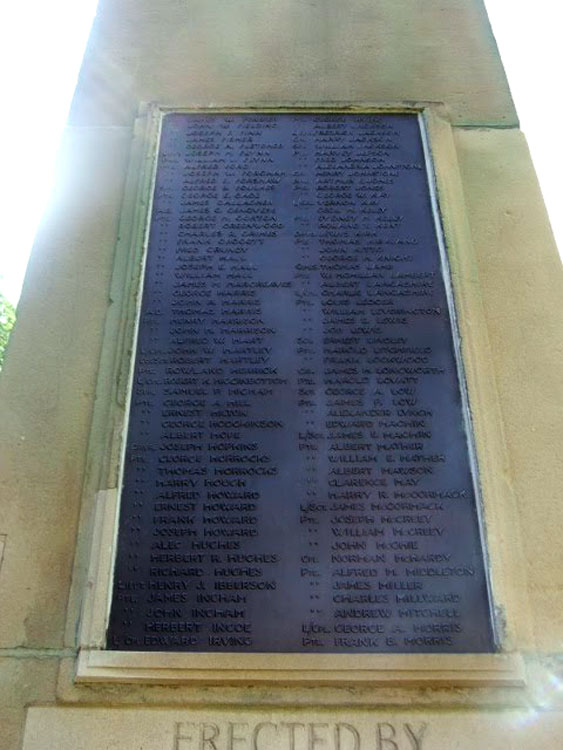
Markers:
point(7, 320)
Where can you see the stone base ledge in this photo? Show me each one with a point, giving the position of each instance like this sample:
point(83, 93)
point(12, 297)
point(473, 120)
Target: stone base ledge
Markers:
point(432, 670)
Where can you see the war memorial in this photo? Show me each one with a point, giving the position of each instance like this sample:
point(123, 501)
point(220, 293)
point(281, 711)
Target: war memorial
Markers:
point(282, 409)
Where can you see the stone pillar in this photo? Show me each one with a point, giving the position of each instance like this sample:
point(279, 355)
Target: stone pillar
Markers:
point(64, 387)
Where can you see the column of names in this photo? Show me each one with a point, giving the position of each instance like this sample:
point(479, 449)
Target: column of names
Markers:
point(297, 471)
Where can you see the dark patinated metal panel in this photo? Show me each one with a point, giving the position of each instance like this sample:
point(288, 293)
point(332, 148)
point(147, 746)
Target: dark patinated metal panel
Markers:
point(297, 473)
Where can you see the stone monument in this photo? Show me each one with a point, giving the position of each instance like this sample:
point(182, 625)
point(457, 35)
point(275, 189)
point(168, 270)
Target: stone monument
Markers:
point(282, 407)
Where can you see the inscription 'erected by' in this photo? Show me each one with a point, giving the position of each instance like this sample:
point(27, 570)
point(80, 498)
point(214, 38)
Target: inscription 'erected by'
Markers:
point(293, 735)
point(297, 474)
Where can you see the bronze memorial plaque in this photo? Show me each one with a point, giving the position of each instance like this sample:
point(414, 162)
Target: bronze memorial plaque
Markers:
point(298, 470)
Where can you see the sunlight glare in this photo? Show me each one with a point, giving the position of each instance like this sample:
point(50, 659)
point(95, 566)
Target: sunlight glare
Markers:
point(41, 49)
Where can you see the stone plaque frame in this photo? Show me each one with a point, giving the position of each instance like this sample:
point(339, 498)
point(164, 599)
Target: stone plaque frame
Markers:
point(91, 590)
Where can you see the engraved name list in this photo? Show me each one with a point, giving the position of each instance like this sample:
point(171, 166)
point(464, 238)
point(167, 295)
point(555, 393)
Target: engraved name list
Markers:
point(297, 471)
